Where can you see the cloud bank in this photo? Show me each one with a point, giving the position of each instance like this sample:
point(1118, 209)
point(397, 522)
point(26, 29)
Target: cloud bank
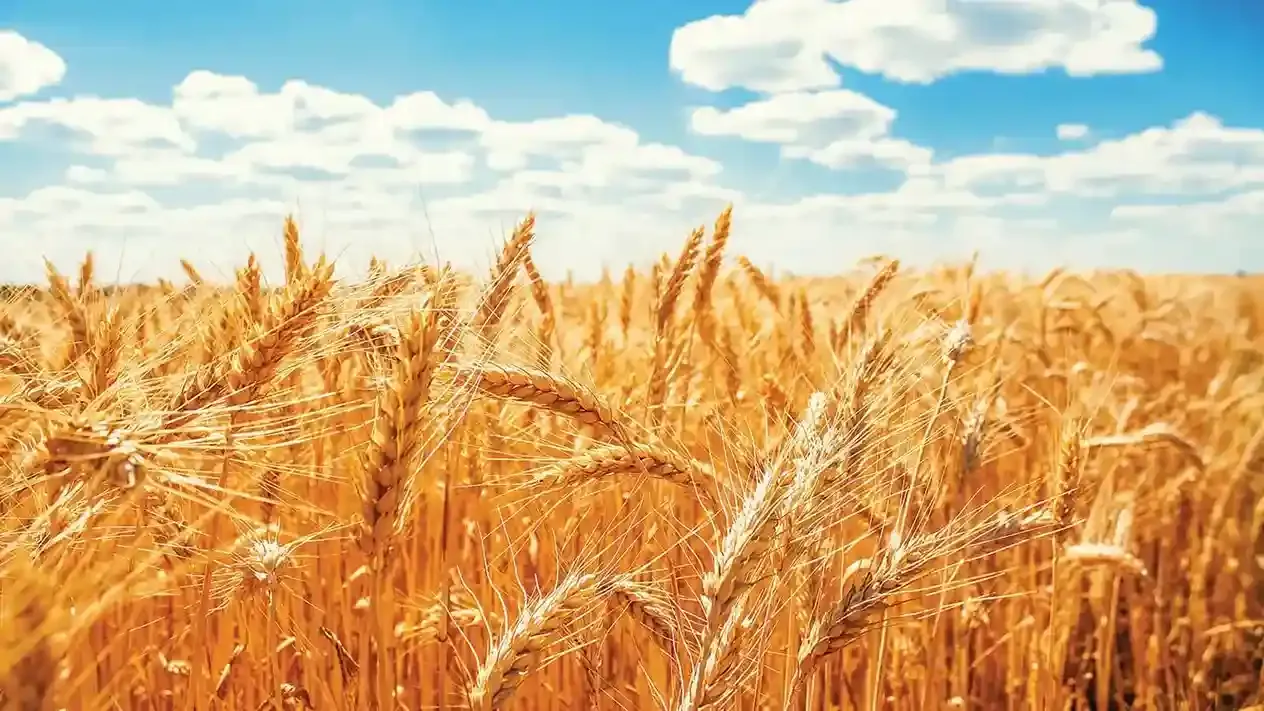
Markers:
point(209, 173)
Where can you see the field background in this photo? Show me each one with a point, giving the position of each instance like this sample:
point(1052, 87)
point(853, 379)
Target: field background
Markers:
point(437, 490)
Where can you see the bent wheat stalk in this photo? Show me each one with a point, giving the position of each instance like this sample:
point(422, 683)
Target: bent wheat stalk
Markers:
point(540, 624)
point(551, 392)
point(615, 460)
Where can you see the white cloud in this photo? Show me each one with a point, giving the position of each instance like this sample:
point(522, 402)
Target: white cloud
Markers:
point(55, 200)
point(208, 173)
point(82, 174)
point(836, 129)
point(783, 45)
point(111, 126)
point(1195, 155)
point(1071, 131)
point(511, 144)
point(1239, 213)
point(799, 118)
point(26, 66)
point(234, 106)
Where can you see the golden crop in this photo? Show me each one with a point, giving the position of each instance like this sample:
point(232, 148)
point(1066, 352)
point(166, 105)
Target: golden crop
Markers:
point(697, 488)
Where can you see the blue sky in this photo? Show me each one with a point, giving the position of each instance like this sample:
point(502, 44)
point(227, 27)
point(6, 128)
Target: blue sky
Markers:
point(915, 128)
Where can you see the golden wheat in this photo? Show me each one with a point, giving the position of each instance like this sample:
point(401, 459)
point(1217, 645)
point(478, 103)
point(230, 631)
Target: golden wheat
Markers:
point(704, 487)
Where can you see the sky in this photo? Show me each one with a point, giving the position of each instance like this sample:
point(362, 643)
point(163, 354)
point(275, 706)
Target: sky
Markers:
point(1035, 133)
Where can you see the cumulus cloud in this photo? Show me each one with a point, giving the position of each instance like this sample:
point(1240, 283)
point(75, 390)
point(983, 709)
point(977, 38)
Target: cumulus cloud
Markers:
point(1196, 155)
point(1071, 131)
point(26, 67)
point(1241, 211)
point(785, 45)
point(110, 126)
point(836, 129)
point(208, 173)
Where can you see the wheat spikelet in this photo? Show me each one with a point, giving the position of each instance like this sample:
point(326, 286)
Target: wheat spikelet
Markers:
point(495, 300)
point(251, 369)
point(398, 431)
point(545, 390)
point(744, 556)
point(294, 266)
point(861, 307)
point(655, 460)
point(190, 271)
point(670, 293)
point(707, 273)
point(544, 302)
point(649, 609)
point(540, 624)
point(87, 275)
point(72, 307)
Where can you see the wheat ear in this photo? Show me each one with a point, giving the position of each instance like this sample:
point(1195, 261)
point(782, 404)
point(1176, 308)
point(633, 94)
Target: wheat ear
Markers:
point(542, 389)
point(397, 431)
point(541, 623)
point(614, 460)
point(495, 300)
point(649, 609)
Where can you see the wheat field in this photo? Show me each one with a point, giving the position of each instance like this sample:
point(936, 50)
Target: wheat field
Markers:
point(691, 487)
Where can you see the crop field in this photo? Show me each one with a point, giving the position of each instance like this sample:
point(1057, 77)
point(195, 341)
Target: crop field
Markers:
point(700, 486)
